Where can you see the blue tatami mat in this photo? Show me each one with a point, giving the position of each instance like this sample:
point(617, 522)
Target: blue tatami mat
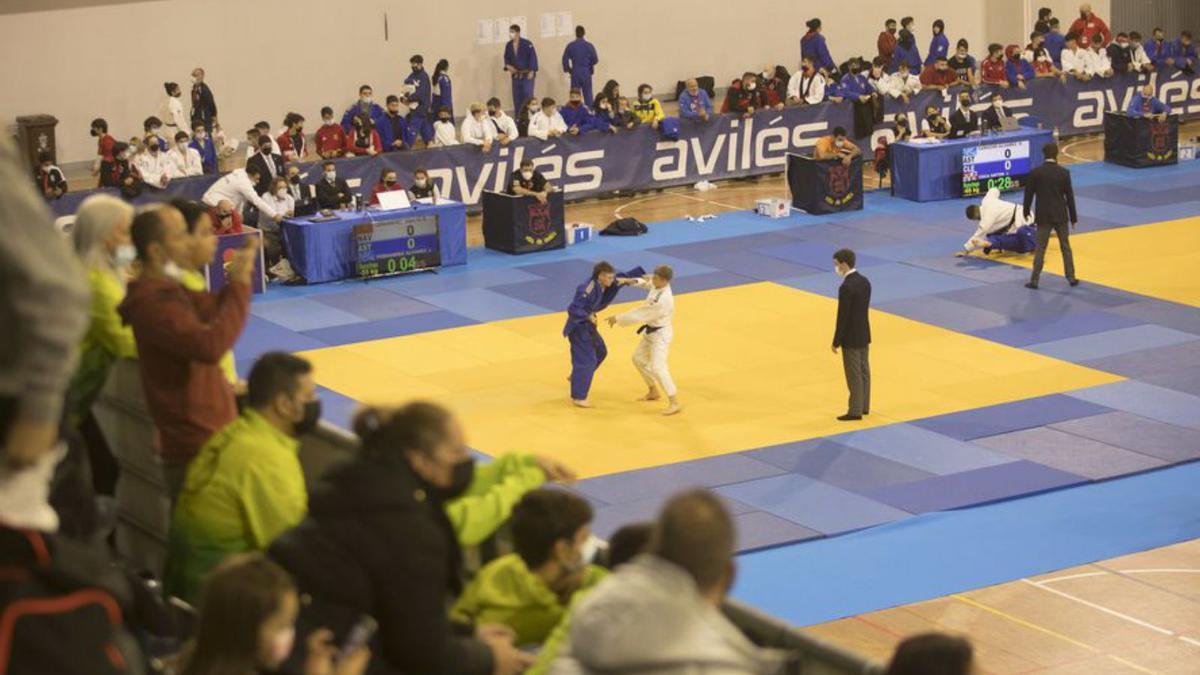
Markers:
point(813, 504)
point(993, 483)
point(999, 419)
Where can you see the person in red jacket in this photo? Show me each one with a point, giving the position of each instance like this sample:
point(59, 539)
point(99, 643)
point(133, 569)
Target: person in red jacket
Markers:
point(103, 166)
point(387, 183)
point(181, 336)
point(992, 70)
point(886, 44)
point(331, 139)
point(1090, 28)
point(938, 75)
point(363, 139)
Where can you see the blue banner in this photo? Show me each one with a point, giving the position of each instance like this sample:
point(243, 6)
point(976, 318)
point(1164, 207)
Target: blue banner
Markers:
point(726, 146)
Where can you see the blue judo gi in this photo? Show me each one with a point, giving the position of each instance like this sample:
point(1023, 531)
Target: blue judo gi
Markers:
point(1021, 241)
point(577, 117)
point(421, 100)
point(588, 350)
point(208, 153)
point(376, 113)
point(939, 48)
point(523, 58)
point(580, 59)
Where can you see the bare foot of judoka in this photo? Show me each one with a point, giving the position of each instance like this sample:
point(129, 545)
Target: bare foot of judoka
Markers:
point(674, 408)
point(581, 404)
point(651, 395)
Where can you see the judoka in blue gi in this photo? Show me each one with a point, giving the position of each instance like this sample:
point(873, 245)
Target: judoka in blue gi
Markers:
point(520, 60)
point(1002, 227)
point(588, 350)
point(420, 101)
point(579, 60)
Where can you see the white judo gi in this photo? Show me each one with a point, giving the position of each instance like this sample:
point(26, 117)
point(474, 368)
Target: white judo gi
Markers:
point(654, 315)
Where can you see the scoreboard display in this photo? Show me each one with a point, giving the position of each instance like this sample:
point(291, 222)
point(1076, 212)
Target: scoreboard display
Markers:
point(1004, 166)
point(396, 246)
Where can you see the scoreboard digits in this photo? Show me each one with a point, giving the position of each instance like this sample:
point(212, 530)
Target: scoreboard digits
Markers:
point(397, 246)
point(1004, 166)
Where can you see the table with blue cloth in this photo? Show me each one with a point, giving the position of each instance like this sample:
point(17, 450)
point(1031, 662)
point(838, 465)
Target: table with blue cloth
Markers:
point(325, 251)
point(926, 172)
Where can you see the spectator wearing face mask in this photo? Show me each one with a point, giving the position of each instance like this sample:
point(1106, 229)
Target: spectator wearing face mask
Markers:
point(420, 100)
point(204, 105)
point(1090, 29)
point(205, 147)
point(836, 146)
point(938, 75)
point(477, 129)
point(124, 173)
point(292, 143)
point(103, 165)
point(694, 103)
point(443, 88)
point(282, 203)
point(548, 122)
point(1139, 58)
point(394, 131)
point(226, 219)
point(963, 120)
point(883, 151)
point(181, 336)
point(626, 117)
point(1097, 61)
point(529, 590)
point(201, 232)
point(331, 138)
point(504, 128)
point(444, 134)
point(525, 115)
point(1018, 70)
point(238, 187)
point(647, 108)
point(1145, 104)
point(746, 98)
point(332, 191)
point(365, 105)
point(963, 64)
point(171, 110)
point(885, 44)
point(939, 45)
point(269, 165)
point(901, 84)
point(377, 541)
point(521, 63)
point(606, 119)
point(773, 80)
point(363, 139)
point(993, 71)
point(807, 85)
point(934, 125)
point(527, 181)
point(423, 188)
point(246, 486)
point(1121, 55)
point(1183, 53)
point(387, 183)
point(576, 115)
point(1038, 56)
point(247, 624)
point(813, 45)
point(152, 126)
point(1056, 42)
point(49, 178)
point(185, 160)
point(907, 52)
point(153, 164)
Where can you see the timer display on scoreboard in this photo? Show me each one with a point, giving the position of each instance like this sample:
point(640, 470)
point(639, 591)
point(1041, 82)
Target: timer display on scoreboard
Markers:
point(1004, 166)
point(396, 246)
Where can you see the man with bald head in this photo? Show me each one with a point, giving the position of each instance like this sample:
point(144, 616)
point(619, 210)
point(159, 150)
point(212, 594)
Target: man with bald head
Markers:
point(181, 336)
point(662, 611)
point(1090, 29)
point(694, 103)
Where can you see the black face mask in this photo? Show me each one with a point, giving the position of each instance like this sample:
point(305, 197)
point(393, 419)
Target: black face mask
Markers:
point(95, 133)
point(312, 415)
point(460, 481)
point(294, 179)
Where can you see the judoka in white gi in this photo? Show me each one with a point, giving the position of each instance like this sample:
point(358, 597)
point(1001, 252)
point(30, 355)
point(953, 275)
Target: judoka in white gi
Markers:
point(1002, 227)
point(653, 319)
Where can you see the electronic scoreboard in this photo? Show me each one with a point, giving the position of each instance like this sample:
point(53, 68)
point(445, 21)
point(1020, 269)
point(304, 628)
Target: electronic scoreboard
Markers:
point(1004, 166)
point(397, 246)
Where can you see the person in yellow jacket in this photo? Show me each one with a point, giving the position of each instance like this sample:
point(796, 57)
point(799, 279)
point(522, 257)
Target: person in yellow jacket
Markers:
point(529, 590)
point(246, 486)
point(101, 240)
point(496, 487)
point(647, 108)
point(204, 247)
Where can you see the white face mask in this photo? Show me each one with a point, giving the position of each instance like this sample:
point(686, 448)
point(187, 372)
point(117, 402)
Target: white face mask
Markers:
point(124, 255)
point(997, 104)
point(281, 645)
point(201, 135)
point(838, 271)
point(527, 175)
point(183, 146)
point(281, 192)
point(512, 36)
point(420, 182)
point(330, 176)
point(172, 270)
point(752, 86)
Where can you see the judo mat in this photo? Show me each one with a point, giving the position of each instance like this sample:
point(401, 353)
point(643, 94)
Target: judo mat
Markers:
point(983, 391)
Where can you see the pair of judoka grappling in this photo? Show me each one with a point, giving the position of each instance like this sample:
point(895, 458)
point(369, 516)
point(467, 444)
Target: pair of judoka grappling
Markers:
point(652, 317)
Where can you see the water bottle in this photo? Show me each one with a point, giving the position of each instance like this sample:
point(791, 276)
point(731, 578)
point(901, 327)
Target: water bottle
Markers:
point(1055, 134)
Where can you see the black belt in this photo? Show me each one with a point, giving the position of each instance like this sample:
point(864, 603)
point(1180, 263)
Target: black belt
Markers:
point(648, 329)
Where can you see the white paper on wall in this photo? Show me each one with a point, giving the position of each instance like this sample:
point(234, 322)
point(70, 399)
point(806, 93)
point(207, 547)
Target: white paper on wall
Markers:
point(520, 21)
point(565, 24)
point(547, 24)
point(485, 34)
point(501, 31)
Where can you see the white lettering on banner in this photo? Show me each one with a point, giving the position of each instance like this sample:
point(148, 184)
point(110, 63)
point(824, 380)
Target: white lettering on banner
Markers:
point(746, 135)
point(731, 156)
point(1173, 93)
point(774, 141)
point(551, 167)
point(472, 192)
point(1195, 96)
point(1089, 114)
point(799, 140)
point(443, 178)
point(594, 174)
point(678, 159)
point(705, 165)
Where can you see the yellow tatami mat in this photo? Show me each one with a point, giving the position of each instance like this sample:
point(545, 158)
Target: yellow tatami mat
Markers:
point(753, 365)
point(1158, 260)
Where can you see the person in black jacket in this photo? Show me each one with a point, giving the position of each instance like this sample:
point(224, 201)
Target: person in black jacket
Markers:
point(377, 541)
point(333, 192)
point(1051, 185)
point(964, 120)
point(269, 165)
point(204, 106)
point(995, 112)
point(853, 333)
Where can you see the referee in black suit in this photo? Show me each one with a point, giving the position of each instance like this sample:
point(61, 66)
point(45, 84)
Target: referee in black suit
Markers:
point(1051, 184)
point(853, 334)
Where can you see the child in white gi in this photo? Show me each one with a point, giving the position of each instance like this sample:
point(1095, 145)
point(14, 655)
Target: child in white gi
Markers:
point(654, 320)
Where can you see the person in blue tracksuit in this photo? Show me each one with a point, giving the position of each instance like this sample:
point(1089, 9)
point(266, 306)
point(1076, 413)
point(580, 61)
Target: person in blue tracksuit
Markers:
point(577, 115)
point(579, 60)
point(855, 85)
point(906, 52)
point(939, 46)
point(813, 44)
point(588, 350)
point(520, 60)
point(204, 145)
point(1145, 104)
point(1055, 42)
point(420, 100)
point(443, 88)
point(365, 105)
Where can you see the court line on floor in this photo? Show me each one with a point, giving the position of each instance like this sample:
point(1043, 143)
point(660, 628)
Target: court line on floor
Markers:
point(1114, 613)
point(1047, 631)
point(709, 201)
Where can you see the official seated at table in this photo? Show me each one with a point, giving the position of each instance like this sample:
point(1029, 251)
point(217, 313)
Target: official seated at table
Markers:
point(529, 182)
point(1002, 226)
point(836, 146)
point(387, 183)
point(964, 120)
point(423, 187)
point(934, 125)
point(333, 192)
point(303, 194)
point(995, 114)
point(1146, 104)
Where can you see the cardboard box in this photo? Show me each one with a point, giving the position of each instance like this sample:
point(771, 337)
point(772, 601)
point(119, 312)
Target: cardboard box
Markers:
point(578, 233)
point(773, 208)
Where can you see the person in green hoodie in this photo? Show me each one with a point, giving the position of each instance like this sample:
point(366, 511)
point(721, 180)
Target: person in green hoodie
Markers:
point(495, 488)
point(529, 590)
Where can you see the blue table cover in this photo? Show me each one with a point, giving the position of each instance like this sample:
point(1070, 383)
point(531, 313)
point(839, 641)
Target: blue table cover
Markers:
point(322, 252)
point(930, 172)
